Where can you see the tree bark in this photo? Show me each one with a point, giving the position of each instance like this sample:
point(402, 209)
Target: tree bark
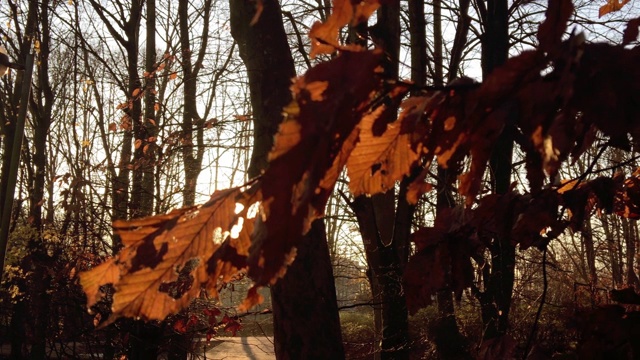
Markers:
point(19, 318)
point(496, 301)
point(384, 227)
point(374, 216)
point(306, 322)
point(148, 128)
point(41, 261)
point(192, 123)
point(631, 241)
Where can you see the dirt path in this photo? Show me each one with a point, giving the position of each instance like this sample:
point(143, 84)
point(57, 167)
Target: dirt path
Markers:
point(236, 348)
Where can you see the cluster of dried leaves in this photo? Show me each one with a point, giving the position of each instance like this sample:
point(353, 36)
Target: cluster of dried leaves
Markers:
point(555, 99)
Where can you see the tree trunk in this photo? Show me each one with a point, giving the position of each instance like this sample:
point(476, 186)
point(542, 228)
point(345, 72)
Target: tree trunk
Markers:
point(631, 240)
point(19, 317)
point(590, 252)
point(612, 249)
point(40, 261)
point(445, 333)
point(192, 123)
point(306, 322)
point(149, 128)
point(374, 216)
point(305, 311)
point(137, 205)
point(496, 301)
point(384, 227)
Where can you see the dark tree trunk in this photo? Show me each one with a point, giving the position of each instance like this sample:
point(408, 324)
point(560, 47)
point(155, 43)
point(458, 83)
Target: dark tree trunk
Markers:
point(306, 322)
point(137, 206)
point(631, 241)
point(590, 252)
point(384, 227)
point(192, 123)
point(19, 316)
point(267, 57)
point(375, 216)
point(149, 128)
point(496, 300)
point(41, 261)
point(305, 311)
point(445, 333)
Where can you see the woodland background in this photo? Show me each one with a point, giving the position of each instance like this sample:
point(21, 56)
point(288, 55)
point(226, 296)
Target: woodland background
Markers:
point(139, 107)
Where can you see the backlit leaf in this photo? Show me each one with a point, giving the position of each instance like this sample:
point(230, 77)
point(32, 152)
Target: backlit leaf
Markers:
point(324, 36)
point(377, 162)
point(291, 186)
point(160, 251)
point(611, 6)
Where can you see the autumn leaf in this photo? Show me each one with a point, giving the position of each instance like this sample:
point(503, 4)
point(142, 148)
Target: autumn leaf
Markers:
point(611, 6)
point(627, 198)
point(443, 259)
point(554, 25)
point(536, 220)
point(424, 275)
point(259, 9)
point(631, 31)
point(180, 326)
point(324, 36)
point(416, 190)
point(136, 92)
point(231, 324)
point(305, 152)
point(627, 295)
point(164, 262)
point(377, 162)
point(113, 126)
point(105, 273)
point(137, 143)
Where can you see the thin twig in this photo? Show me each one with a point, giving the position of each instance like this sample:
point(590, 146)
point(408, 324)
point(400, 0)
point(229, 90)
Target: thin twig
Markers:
point(545, 285)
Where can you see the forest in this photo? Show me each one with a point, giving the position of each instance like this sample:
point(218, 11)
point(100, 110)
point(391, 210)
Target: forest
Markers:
point(376, 179)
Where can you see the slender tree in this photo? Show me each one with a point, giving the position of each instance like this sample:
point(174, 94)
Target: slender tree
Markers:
point(306, 323)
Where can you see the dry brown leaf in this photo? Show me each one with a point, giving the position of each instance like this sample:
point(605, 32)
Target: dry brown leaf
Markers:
point(164, 262)
point(91, 281)
point(288, 137)
point(259, 9)
point(324, 36)
point(377, 162)
point(611, 6)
